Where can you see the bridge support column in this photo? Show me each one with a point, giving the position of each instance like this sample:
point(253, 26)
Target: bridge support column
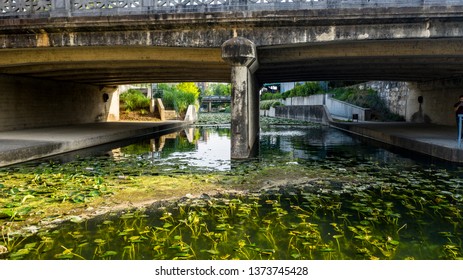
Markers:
point(241, 54)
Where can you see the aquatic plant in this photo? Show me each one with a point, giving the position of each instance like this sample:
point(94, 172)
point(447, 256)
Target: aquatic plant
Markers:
point(269, 225)
point(302, 202)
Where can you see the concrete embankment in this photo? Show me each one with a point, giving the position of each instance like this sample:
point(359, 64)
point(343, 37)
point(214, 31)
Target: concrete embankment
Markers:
point(29, 144)
point(310, 113)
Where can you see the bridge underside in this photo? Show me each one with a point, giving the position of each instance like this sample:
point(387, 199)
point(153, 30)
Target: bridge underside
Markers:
point(399, 60)
point(92, 54)
point(418, 60)
point(396, 60)
point(109, 66)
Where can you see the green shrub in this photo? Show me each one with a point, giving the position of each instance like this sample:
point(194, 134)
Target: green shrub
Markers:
point(271, 96)
point(227, 108)
point(134, 100)
point(179, 97)
point(305, 89)
point(183, 100)
point(367, 98)
point(168, 98)
point(267, 104)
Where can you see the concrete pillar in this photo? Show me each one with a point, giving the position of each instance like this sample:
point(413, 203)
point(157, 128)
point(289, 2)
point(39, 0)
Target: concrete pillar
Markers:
point(240, 53)
point(111, 105)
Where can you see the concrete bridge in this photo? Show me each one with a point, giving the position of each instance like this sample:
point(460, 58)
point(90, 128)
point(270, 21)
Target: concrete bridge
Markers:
point(209, 100)
point(60, 59)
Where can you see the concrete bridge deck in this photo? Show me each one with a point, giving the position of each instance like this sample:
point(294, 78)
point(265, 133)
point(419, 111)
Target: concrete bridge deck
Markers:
point(29, 144)
point(22, 145)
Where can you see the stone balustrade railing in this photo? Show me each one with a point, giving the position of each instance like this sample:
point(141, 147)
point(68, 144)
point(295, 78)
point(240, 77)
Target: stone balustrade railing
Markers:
point(59, 8)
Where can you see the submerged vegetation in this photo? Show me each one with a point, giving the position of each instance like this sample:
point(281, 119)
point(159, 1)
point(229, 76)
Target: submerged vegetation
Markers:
point(319, 219)
point(300, 200)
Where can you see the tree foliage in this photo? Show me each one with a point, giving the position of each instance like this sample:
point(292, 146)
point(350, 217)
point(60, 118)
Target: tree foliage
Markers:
point(218, 89)
point(178, 97)
point(189, 88)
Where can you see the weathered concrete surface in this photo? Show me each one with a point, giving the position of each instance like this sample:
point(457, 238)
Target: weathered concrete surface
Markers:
point(264, 28)
point(29, 144)
point(438, 98)
point(116, 65)
point(72, 8)
point(311, 113)
point(366, 42)
point(438, 141)
point(31, 102)
point(240, 53)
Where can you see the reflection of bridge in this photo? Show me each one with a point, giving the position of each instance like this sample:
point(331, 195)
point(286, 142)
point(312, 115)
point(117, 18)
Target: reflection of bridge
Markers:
point(209, 100)
point(60, 56)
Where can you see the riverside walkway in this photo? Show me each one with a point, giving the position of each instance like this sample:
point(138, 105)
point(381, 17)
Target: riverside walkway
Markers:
point(438, 141)
point(23, 145)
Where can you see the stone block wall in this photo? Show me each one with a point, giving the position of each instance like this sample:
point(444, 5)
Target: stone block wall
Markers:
point(395, 94)
point(421, 102)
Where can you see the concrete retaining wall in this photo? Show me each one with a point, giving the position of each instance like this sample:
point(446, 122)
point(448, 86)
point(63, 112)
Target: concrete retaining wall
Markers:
point(191, 115)
point(312, 113)
point(317, 99)
point(268, 113)
point(336, 107)
point(345, 110)
point(30, 103)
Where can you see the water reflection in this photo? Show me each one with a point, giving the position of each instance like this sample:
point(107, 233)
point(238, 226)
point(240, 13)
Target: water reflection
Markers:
point(204, 147)
point(208, 148)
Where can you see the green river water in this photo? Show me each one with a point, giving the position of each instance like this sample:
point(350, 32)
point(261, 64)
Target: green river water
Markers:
point(355, 200)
